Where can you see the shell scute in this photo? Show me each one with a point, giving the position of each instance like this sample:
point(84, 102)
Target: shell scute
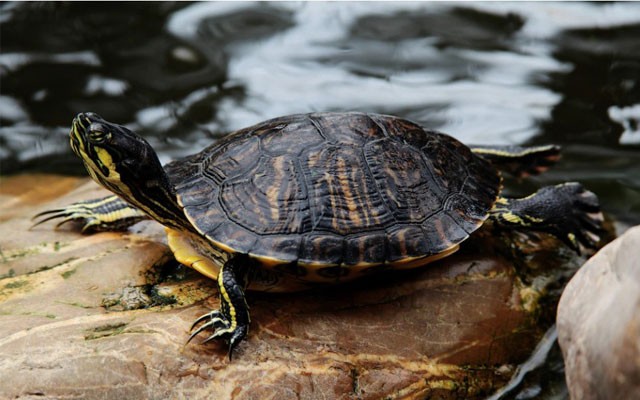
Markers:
point(322, 249)
point(443, 233)
point(343, 195)
point(207, 216)
point(354, 129)
point(269, 198)
point(284, 248)
point(197, 191)
point(407, 131)
point(290, 138)
point(232, 237)
point(404, 180)
point(407, 241)
point(364, 249)
point(232, 158)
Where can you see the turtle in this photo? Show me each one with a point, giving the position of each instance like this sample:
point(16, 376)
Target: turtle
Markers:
point(318, 198)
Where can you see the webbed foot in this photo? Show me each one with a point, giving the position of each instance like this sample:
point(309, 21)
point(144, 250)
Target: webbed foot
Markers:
point(567, 211)
point(576, 219)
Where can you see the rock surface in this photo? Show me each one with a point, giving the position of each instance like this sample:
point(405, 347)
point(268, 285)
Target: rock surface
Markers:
point(107, 316)
point(599, 323)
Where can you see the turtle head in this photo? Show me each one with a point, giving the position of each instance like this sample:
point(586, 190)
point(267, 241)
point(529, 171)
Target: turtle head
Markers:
point(114, 156)
point(124, 163)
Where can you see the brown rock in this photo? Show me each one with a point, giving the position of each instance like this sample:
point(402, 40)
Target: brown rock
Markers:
point(599, 323)
point(107, 316)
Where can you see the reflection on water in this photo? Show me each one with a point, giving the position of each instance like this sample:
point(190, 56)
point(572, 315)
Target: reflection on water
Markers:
point(184, 74)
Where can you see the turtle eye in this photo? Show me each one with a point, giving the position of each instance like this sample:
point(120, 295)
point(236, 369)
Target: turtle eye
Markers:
point(98, 133)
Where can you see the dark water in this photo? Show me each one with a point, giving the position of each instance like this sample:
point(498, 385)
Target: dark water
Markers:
point(184, 74)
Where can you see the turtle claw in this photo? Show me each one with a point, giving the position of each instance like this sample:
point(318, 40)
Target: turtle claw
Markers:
point(222, 329)
point(210, 324)
point(104, 214)
point(216, 323)
point(219, 333)
point(54, 214)
point(213, 315)
point(73, 212)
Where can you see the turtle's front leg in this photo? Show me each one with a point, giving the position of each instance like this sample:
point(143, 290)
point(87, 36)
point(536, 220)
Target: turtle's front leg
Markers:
point(109, 213)
point(231, 321)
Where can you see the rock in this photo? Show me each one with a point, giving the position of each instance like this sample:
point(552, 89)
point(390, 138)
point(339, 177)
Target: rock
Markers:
point(107, 316)
point(599, 323)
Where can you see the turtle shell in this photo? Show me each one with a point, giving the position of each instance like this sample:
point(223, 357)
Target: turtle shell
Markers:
point(336, 189)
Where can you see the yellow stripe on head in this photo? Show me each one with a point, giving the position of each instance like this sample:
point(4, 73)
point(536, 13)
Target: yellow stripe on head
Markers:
point(106, 161)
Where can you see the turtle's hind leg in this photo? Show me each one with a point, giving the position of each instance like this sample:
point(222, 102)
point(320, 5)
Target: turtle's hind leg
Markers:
point(520, 161)
point(567, 211)
point(231, 321)
point(109, 213)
